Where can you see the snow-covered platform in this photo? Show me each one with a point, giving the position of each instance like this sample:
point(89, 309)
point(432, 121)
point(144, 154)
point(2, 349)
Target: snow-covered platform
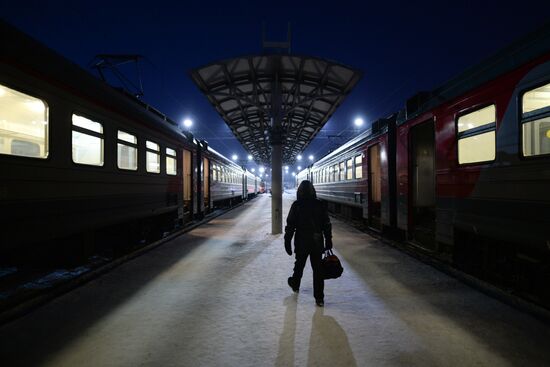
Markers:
point(217, 296)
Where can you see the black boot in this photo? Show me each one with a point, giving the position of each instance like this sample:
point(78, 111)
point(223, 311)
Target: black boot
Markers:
point(292, 285)
point(320, 302)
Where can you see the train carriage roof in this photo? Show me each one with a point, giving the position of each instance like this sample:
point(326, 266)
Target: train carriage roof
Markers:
point(523, 50)
point(32, 57)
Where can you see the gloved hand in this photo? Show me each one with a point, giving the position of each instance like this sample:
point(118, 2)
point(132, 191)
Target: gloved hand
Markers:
point(288, 248)
point(328, 244)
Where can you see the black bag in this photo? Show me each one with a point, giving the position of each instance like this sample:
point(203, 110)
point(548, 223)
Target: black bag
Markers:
point(332, 268)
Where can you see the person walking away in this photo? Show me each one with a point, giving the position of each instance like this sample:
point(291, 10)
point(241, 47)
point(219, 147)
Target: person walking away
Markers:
point(308, 222)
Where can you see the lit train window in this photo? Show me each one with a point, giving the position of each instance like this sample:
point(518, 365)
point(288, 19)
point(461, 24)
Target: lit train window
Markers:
point(359, 166)
point(87, 141)
point(127, 151)
point(152, 157)
point(330, 174)
point(536, 121)
point(476, 136)
point(335, 173)
point(23, 124)
point(171, 165)
point(342, 171)
point(349, 169)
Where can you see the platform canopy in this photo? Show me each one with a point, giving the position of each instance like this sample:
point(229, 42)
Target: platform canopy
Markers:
point(248, 92)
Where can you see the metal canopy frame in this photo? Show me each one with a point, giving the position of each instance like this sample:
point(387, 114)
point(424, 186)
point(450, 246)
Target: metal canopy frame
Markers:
point(250, 92)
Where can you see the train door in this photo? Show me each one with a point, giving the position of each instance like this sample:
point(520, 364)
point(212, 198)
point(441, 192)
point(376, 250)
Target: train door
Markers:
point(423, 184)
point(245, 186)
point(206, 183)
point(187, 186)
point(375, 187)
point(198, 202)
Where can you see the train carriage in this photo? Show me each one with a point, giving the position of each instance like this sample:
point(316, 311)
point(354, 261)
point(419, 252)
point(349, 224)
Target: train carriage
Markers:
point(470, 175)
point(250, 185)
point(227, 180)
point(355, 180)
point(477, 160)
point(84, 164)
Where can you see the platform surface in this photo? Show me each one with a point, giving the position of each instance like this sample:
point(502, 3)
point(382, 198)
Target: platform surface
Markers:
point(217, 296)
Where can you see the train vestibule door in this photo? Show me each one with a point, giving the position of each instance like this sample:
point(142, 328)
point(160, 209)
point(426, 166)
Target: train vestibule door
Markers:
point(187, 186)
point(206, 182)
point(375, 187)
point(423, 184)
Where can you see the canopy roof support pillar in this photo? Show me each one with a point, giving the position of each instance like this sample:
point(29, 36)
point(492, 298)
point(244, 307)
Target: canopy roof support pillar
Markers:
point(276, 140)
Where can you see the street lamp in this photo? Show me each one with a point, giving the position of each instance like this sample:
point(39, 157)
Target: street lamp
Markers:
point(299, 157)
point(358, 122)
point(253, 170)
point(249, 157)
point(299, 168)
point(311, 157)
point(234, 157)
point(188, 123)
point(262, 170)
point(293, 174)
point(286, 168)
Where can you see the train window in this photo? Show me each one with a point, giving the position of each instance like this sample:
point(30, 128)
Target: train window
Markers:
point(335, 173)
point(536, 121)
point(349, 169)
point(126, 151)
point(87, 139)
point(330, 174)
point(359, 166)
point(476, 136)
point(342, 171)
point(23, 124)
point(152, 157)
point(171, 165)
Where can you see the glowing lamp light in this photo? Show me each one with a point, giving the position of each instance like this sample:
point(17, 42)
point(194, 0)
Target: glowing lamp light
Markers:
point(253, 170)
point(299, 168)
point(286, 168)
point(262, 170)
point(299, 157)
point(293, 173)
point(358, 122)
point(249, 157)
point(234, 157)
point(187, 123)
point(310, 157)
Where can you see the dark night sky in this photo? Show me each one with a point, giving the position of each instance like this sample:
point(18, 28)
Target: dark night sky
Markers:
point(401, 47)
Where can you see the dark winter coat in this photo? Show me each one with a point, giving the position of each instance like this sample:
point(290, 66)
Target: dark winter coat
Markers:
point(308, 222)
